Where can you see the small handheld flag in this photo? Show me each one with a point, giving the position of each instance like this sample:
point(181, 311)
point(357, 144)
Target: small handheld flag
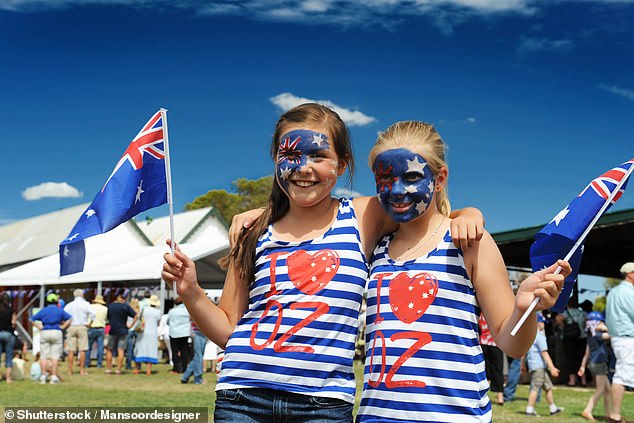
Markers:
point(137, 183)
point(563, 237)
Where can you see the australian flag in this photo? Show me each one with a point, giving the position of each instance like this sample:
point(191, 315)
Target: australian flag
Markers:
point(558, 238)
point(137, 183)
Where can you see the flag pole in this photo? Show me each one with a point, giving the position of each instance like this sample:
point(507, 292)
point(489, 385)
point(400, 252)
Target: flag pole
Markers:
point(577, 244)
point(168, 177)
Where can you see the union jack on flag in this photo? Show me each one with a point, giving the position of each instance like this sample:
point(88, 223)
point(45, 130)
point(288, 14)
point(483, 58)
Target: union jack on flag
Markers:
point(555, 240)
point(137, 183)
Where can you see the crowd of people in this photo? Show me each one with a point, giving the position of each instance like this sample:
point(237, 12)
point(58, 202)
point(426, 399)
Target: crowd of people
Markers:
point(570, 347)
point(127, 332)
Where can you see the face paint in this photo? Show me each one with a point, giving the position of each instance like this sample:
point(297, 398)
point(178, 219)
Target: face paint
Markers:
point(298, 149)
point(404, 184)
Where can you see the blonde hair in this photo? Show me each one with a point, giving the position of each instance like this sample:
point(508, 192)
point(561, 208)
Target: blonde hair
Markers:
point(420, 138)
point(134, 303)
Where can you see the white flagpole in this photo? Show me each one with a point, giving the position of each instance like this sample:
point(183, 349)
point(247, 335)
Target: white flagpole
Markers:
point(168, 177)
point(532, 306)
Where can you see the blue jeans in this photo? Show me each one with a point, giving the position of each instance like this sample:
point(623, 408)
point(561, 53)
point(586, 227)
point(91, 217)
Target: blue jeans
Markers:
point(7, 343)
point(266, 405)
point(129, 354)
point(195, 366)
point(513, 379)
point(95, 334)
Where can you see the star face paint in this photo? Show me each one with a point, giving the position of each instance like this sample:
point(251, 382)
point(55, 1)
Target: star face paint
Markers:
point(404, 184)
point(300, 151)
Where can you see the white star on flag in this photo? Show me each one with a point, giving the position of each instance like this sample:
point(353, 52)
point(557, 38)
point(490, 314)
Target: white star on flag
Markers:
point(90, 213)
point(560, 216)
point(139, 191)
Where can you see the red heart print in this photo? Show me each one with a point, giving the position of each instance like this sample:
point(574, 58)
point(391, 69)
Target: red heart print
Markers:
point(410, 296)
point(311, 273)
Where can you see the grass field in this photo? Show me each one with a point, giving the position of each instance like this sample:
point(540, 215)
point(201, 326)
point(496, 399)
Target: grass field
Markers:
point(163, 389)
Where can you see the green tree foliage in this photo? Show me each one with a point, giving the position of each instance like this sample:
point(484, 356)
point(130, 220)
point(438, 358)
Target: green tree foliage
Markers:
point(610, 283)
point(246, 194)
point(599, 304)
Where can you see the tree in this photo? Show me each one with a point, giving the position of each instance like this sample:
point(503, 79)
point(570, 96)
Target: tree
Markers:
point(249, 194)
point(610, 283)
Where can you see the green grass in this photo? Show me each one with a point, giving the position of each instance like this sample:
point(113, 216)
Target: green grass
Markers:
point(163, 389)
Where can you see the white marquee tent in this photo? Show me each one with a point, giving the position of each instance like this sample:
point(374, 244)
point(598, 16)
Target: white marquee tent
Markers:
point(129, 255)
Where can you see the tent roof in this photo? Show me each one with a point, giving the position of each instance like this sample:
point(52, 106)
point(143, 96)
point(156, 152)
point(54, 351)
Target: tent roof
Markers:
point(126, 253)
point(36, 237)
point(608, 245)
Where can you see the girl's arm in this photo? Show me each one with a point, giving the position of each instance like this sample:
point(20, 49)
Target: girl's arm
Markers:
point(467, 225)
point(216, 322)
point(501, 309)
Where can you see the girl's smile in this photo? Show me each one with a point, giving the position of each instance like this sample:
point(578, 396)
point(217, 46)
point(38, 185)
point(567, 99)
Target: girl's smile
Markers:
point(307, 166)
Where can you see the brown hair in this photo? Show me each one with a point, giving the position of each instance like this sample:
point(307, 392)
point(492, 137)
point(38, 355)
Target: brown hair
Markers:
point(310, 114)
point(421, 138)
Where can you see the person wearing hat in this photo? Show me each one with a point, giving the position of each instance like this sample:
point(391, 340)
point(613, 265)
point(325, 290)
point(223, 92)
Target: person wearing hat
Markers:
point(619, 317)
point(147, 345)
point(96, 330)
point(597, 357)
point(51, 320)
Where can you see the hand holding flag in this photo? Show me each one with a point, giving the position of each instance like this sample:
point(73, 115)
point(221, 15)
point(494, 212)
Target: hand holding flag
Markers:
point(138, 182)
point(563, 237)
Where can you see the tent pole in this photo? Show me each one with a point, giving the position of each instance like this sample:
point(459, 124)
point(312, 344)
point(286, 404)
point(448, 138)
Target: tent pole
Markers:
point(162, 296)
point(99, 287)
point(42, 294)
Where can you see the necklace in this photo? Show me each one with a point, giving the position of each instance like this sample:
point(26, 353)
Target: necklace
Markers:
point(417, 247)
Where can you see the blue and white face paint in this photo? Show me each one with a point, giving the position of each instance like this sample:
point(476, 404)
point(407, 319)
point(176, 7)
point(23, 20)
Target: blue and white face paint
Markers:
point(404, 184)
point(300, 149)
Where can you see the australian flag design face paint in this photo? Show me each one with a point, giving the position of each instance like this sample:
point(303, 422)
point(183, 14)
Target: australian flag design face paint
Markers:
point(298, 148)
point(404, 184)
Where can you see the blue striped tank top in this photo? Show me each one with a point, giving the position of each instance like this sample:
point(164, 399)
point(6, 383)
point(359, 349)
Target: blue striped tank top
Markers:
point(298, 334)
point(424, 361)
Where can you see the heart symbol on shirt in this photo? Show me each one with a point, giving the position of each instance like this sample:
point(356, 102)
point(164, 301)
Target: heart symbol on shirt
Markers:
point(410, 296)
point(311, 273)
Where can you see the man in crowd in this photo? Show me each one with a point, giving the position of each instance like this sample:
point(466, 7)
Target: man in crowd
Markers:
point(118, 313)
point(77, 334)
point(619, 317)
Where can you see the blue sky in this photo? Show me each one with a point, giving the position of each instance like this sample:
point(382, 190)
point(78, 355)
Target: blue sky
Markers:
point(534, 98)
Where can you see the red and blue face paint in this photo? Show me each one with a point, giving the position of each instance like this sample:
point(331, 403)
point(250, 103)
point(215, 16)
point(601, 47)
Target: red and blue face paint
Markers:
point(299, 149)
point(404, 184)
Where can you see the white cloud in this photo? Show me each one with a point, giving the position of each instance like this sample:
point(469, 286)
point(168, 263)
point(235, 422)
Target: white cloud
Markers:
point(530, 45)
point(51, 189)
point(444, 14)
point(314, 12)
point(286, 101)
point(623, 92)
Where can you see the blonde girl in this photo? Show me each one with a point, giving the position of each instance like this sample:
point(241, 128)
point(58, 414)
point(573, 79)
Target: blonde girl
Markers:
point(424, 361)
